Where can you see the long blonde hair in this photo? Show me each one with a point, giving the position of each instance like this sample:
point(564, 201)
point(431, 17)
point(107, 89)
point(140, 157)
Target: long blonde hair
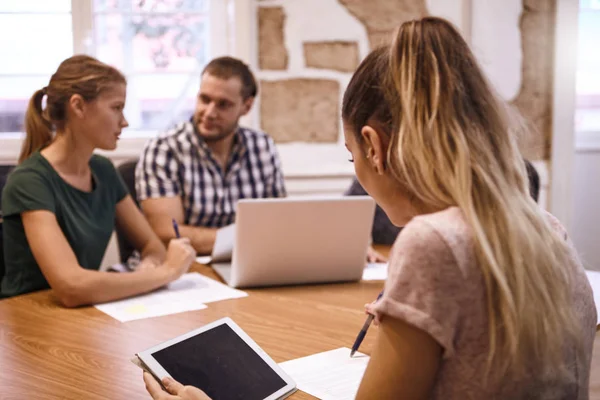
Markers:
point(451, 143)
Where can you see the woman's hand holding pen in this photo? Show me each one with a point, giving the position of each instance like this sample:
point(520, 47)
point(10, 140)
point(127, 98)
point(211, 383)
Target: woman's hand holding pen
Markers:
point(363, 332)
point(180, 256)
point(369, 310)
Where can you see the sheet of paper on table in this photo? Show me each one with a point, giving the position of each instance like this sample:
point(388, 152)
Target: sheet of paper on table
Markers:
point(375, 272)
point(331, 375)
point(188, 293)
point(204, 260)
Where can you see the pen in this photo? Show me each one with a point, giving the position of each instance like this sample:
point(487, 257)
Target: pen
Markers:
point(176, 228)
point(363, 331)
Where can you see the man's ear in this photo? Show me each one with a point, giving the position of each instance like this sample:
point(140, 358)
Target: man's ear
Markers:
point(77, 105)
point(374, 148)
point(247, 105)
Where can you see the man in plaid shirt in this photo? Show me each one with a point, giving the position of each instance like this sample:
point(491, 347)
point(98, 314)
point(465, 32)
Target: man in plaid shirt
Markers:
point(196, 172)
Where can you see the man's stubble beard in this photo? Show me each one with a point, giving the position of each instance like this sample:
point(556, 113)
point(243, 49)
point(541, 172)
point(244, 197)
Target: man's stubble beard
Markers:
point(223, 134)
point(219, 137)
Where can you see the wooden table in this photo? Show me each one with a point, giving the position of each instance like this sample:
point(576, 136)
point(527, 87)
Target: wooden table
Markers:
point(49, 352)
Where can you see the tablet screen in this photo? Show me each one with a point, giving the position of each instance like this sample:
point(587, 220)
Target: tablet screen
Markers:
point(219, 362)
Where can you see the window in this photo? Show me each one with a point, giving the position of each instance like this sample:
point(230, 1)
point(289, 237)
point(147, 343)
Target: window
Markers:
point(587, 113)
point(45, 38)
point(160, 45)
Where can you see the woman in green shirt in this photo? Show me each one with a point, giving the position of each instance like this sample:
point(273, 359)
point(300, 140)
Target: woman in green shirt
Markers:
point(61, 203)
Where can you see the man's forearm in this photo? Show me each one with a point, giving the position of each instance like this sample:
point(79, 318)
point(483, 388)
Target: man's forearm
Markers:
point(201, 238)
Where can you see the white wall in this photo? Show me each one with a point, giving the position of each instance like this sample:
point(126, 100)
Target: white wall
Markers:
point(496, 40)
point(311, 20)
point(490, 27)
point(585, 231)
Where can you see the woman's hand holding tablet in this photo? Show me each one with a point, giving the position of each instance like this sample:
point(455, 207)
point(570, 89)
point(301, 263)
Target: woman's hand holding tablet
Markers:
point(174, 390)
point(221, 360)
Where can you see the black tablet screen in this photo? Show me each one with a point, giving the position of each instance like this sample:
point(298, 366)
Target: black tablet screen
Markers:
point(219, 362)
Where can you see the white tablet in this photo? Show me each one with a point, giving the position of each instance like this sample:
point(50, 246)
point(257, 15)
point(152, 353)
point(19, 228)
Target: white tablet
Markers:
point(222, 360)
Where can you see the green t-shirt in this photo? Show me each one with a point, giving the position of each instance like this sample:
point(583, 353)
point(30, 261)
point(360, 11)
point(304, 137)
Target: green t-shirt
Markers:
point(87, 219)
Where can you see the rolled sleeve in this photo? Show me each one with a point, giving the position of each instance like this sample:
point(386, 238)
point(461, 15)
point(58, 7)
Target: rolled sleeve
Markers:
point(424, 285)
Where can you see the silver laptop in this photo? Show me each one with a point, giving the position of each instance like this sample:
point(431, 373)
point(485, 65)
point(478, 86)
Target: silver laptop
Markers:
point(296, 241)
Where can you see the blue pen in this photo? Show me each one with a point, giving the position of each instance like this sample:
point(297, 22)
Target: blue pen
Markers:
point(363, 331)
point(176, 228)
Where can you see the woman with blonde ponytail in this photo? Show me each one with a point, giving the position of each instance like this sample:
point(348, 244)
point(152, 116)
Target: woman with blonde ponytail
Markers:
point(61, 203)
point(486, 297)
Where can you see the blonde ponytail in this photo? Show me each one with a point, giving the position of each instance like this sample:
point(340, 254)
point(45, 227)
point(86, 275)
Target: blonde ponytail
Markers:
point(454, 146)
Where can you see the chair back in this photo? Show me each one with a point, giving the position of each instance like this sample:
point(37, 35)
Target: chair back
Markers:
point(4, 171)
point(127, 172)
point(2, 268)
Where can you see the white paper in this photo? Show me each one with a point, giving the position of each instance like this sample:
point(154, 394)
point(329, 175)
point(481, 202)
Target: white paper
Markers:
point(331, 375)
point(375, 272)
point(204, 260)
point(214, 290)
point(594, 278)
point(223, 248)
point(188, 293)
point(224, 243)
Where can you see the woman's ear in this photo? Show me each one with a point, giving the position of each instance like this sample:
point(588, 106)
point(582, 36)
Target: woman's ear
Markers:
point(77, 105)
point(374, 148)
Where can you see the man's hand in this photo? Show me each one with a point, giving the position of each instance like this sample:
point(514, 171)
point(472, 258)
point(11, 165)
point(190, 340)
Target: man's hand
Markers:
point(374, 256)
point(175, 390)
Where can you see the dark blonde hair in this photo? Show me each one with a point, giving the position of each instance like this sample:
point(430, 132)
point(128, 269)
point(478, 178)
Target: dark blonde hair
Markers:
point(451, 143)
point(80, 74)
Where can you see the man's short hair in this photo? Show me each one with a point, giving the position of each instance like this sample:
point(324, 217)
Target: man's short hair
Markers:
point(227, 67)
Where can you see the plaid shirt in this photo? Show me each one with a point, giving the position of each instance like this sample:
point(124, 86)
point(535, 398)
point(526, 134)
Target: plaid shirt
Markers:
point(179, 163)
